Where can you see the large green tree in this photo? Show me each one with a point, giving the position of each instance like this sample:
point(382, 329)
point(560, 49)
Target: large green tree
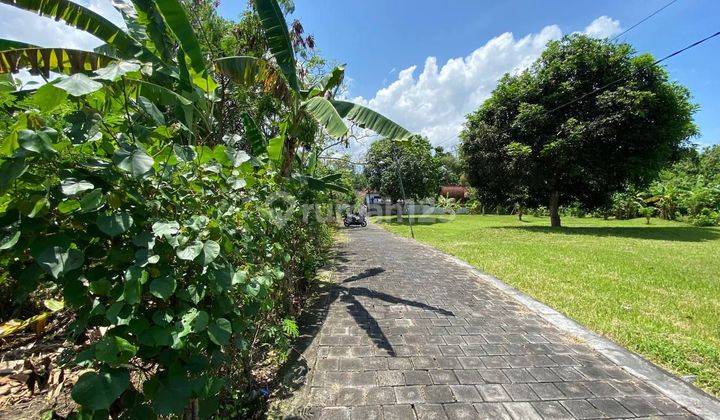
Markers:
point(624, 120)
point(412, 159)
point(450, 167)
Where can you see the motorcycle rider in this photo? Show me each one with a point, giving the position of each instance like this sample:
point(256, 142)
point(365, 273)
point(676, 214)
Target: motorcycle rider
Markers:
point(363, 211)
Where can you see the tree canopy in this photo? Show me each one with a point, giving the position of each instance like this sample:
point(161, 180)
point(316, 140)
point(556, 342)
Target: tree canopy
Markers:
point(419, 167)
point(586, 119)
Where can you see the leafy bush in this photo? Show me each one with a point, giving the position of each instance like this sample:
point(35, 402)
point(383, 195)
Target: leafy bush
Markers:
point(625, 205)
point(179, 251)
point(540, 211)
point(689, 190)
point(575, 210)
point(706, 217)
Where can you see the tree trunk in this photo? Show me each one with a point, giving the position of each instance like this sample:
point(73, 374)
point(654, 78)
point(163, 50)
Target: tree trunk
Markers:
point(555, 209)
point(192, 411)
point(288, 156)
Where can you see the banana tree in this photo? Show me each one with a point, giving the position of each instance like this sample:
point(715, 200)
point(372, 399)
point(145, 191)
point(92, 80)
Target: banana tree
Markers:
point(159, 38)
point(316, 102)
point(155, 27)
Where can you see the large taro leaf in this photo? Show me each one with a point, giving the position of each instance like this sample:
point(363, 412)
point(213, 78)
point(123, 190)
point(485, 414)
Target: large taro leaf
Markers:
point(9, 236)
point(165, 228)
point(171, 394)
point(163, 287)
point(40, 141)
point(79, 85)
point(72, 186)
point(135, 278)
point(98, 390)
point(114, 224)
point(191, 251)
point(48, 97)
point(220, 331)
point(58, 60)
point(116, 70)
point(210, 251)
point(114, 350)
point(84, 126)
point(10, 170)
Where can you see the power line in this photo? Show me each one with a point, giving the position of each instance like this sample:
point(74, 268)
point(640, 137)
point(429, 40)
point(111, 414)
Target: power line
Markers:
point(623, 78)
point(643, 20)
point(601, 88)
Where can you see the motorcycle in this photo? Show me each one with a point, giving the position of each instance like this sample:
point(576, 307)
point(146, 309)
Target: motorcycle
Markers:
point(354, 220)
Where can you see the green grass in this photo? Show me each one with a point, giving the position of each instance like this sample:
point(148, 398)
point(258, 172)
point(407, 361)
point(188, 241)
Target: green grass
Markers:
point(654, 289)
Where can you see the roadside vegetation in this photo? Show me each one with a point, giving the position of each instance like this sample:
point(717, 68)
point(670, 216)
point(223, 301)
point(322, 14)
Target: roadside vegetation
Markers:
point(651, 288)
point(161, 208)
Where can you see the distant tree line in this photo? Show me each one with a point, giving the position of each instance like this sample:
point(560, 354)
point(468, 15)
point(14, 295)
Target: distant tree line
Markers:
point(591, 127)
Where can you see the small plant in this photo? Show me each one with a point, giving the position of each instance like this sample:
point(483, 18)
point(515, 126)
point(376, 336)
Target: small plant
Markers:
point(647, 212)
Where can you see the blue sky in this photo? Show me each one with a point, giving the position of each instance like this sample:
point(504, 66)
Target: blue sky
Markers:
point(429, 63)
point(379, 38)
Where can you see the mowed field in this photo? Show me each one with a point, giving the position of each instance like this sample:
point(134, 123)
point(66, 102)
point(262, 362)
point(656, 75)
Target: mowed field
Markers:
point(654, 289)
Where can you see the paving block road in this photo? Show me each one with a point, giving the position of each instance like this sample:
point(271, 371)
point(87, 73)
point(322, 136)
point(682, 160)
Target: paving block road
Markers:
point(403, 332)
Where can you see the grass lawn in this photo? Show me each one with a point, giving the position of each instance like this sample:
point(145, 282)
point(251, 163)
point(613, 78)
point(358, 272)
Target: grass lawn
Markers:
point(653, 288)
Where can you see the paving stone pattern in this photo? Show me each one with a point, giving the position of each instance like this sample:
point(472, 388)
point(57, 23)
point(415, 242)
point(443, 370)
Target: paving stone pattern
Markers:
point(403, 334)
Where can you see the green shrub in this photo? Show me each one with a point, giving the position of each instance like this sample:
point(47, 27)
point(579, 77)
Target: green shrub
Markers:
point(706, 217)
point(540, 211)
point(177, 251)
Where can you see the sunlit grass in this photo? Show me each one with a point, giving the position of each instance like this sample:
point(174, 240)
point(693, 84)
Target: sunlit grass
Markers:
point(652, 288)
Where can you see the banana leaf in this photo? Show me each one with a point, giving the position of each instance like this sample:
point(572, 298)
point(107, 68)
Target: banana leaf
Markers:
point(44, 60)
point(9, 44)
point(177, 21)
point(367, 118)
point(323, 111)
point(278, 39)
point(81, 18)
point(244, 70)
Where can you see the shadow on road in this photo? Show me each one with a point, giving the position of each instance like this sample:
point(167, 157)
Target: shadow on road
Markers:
point(294, 371)
point(370, 272)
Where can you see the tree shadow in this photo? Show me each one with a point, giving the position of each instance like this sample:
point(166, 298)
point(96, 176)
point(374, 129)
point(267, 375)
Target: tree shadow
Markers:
point(367, 322)
point(365, 274)
point(373, 294)
point(660, 233)
point(416, 220)
point(292, 375)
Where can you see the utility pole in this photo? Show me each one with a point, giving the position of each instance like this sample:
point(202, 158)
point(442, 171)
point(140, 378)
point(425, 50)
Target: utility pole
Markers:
point(402, 190)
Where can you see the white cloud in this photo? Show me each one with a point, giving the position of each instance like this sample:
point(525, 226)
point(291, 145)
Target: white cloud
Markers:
point(603, 27)
point(435, 102)
point(21, 25)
